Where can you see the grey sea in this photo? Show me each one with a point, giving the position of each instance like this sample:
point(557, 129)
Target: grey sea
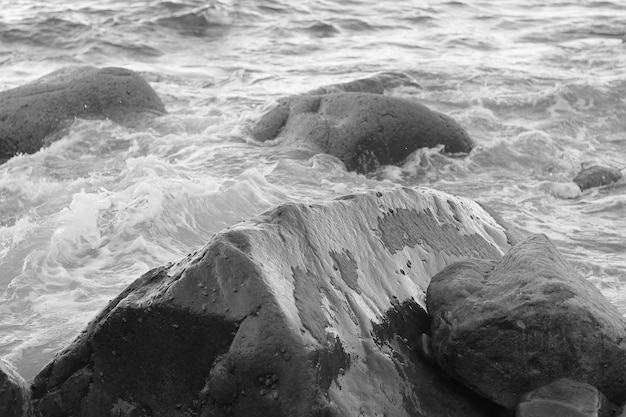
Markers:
point(540, 86)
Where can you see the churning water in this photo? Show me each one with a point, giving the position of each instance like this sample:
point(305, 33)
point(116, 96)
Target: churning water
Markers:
point(540, 86)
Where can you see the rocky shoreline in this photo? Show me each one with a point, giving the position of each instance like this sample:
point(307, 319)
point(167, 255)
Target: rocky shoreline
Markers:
point(328, 309)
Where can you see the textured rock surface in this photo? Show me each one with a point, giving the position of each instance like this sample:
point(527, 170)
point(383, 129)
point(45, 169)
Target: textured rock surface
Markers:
point(505, 327)
point(364, 130)
point(307, 310)
point(564, 398)
point(30, 114)
point(13, 393)
point(376, 84)
point(597, 176)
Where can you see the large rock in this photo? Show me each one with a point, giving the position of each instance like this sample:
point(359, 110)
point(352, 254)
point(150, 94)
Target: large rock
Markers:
point(14, 398)
point(364, 130)
point(307, 310)
point(32, 113)
point(505, 327)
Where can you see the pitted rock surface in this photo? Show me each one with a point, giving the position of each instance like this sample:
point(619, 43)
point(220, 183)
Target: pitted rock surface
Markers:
point(505, 327)
point(31, 114)
point(287, 314)
point(364, 130)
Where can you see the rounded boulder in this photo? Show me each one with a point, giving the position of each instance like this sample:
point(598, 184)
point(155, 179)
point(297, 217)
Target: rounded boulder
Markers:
point(597, 176)
point(32, 113)
point(505, 327)
point(363, 130)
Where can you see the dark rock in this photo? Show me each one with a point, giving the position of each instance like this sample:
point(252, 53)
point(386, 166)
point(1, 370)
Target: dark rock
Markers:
point(284, 315)
point(565, 398)
point(597, 176)
point(31, 114)
point(377, 84)
point(14, 396)
point(364, 130)
point(505, 327)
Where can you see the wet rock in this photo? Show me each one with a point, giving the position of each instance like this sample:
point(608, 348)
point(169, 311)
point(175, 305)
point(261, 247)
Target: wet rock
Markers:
point(566, 398)
point(14, 398)
point(282, 316)
point(31, 114)
point(376, 84)
point(597, 176)
point(505, 327)
point(364, 130)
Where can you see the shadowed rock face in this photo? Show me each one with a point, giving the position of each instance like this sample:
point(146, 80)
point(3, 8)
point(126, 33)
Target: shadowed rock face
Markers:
point(30, 114)
point(505, 327)
point(364, 130)
point(14, 399)
point(290, 314)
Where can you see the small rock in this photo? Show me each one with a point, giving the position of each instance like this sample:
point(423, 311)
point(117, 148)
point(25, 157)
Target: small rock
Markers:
point(566, 398)
point(425, 350)
point(597, 176)
point(376, 84)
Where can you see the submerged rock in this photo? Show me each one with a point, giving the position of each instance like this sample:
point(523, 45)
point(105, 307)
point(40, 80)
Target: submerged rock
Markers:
point(597, 176)
point(32, 113)
point(14, 399)
point(306, 310)
point(364, 130)
point(376, 84)
point(566, 398)
point(505, 327)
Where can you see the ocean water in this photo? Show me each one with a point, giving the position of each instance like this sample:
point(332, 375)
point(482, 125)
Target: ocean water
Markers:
point(540, 86)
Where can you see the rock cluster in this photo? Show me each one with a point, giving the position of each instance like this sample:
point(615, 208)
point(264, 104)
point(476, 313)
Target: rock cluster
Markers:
point(376, 84)
point(304, 311)
point(319, 309)
point(31, 114)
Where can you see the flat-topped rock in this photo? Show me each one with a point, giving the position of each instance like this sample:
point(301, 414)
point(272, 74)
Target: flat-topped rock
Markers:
point(505, 327)
point(363, 130)
point(307, 310)
point(32, 113)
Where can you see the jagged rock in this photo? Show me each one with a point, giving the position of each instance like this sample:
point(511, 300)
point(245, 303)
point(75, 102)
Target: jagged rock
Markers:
point(505, 327)
point(376, 84)
point(364, 130)
point(14, 399)
point(31, 114)
point(597, 176)
point(564, 398)
point(307, 310)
